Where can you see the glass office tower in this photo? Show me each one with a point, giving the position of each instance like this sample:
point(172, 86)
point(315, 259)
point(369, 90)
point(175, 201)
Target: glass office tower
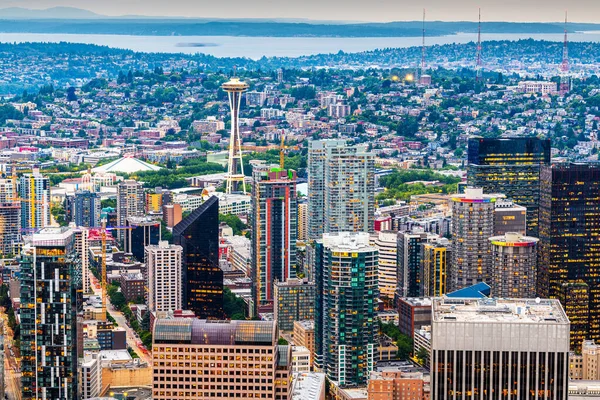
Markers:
point(510, 166)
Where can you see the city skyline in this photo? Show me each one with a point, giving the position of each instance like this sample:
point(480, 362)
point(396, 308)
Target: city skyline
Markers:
point(349, 11)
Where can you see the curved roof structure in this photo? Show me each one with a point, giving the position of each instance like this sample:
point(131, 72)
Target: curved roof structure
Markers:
point(212, 332)
point(127, 165)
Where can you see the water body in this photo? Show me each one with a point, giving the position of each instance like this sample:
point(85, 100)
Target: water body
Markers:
point(257, 47)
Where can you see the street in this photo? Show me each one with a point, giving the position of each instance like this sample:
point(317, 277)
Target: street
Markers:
point(12, 376)
point(132, 338)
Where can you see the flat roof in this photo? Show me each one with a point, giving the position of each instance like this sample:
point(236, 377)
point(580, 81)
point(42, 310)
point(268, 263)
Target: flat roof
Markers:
point(308, 386)
point(499, 310)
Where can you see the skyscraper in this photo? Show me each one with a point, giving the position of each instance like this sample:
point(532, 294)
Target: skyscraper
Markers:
point(198, 235)
point(410, 269)
point(514, 264)
point(130, 202)
point(472, 226)
point(569, 243)
point(341, 188)
point(145, 231)
point(86, 209)
point(436, 257)
point(165, 284)
point(510, 166)
point(499, 349)
point(294, 301)
point(346, 331)
point(10, 218)
point(34, 192)
point(49, 287)
point(235, 168)
point(387, 270)
point(274, 231)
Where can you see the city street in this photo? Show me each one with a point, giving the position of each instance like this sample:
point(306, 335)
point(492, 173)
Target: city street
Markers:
point(132, 339)
point(12, 376)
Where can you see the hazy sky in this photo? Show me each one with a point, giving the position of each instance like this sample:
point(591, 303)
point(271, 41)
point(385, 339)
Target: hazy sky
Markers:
point(365, 10)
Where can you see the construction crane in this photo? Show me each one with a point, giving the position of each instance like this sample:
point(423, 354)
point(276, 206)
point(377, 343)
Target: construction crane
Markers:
point(103, 231)
point(282, 150)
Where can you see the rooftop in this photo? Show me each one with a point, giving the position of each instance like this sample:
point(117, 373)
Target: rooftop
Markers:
point(344, 241)
point(127, 165)
point(308, 386)
point(499, 311)
point(203, 332)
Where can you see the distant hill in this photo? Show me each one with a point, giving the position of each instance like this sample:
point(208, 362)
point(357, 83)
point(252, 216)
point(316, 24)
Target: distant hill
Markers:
point(48, 13)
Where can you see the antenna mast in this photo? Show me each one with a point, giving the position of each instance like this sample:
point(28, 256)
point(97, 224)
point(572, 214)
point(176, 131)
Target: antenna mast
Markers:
point(423, 49)
point(565, 80)
point(478, 64)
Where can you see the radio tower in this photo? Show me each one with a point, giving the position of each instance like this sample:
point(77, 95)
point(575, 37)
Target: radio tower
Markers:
point(565, 80)
point(423, 52)
point(235, 169)
point(478, 63)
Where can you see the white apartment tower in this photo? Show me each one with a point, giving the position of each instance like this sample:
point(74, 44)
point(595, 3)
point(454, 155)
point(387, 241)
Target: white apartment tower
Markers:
point(165, 286)
point(341, 188)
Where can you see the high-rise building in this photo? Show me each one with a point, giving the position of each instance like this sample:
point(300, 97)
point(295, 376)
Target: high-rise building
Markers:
point(198, 235)
point(346, 331)
point(3, 380)
point(34, 192)
point(250, 363)
point(82, 246)
point(145, 231)
point(172, 214)
point(510, 166)
point(274, 225)
point(435, 258)
point(90, 376)
point(154, 202)
point(387, 270)
point(514, 265)
point(499, 349)
point(341, 188)
point(472, 226)
point(304, 335)
point(10, 228)
point(294, 301)
point(165, 285)
point(569, 254)
point(410, 267)
point(49, 287)
point(130, 202)
point(235, 168)
point(86, 209)
point(302, 220)
point(509, 217)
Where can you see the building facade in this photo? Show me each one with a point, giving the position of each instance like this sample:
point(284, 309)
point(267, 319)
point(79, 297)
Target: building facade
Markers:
point(569, 260)
point(499, 349)
point(509, 217)
point(198, 235)
point(294, 301)
point(387, 270)
point(274, 231)
point(341, 188)
point(472, 226)
point(435, 258)
point(410, 267)
point(49, 287)
point(346, 331)
point(34, 194)
point(131, 202)
point(250, 363)
point(514, 266)
point(165, 284)
point(86, 209)
point(143, 231)
point(510, 166)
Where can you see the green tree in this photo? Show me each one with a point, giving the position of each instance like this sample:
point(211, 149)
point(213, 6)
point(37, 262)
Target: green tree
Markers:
point(234, 222)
